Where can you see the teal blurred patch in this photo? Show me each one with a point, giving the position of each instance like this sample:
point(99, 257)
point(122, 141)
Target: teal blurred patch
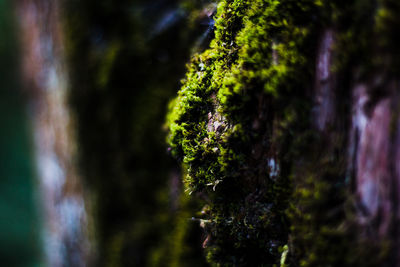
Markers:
point(19, 227)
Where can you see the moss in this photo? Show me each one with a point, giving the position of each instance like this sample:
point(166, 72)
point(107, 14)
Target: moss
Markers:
point(223, 123)
point(242, 125)
point(223, 84)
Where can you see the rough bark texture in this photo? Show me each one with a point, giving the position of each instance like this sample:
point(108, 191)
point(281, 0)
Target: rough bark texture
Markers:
point(288, 128)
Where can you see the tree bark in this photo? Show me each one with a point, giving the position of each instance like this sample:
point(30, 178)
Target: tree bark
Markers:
point(309, 177)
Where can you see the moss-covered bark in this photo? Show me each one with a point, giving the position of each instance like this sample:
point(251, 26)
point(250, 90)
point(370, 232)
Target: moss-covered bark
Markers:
point(266, 127)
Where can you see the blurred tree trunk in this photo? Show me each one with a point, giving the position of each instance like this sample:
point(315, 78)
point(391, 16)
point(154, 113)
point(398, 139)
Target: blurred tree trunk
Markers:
point(44, 78)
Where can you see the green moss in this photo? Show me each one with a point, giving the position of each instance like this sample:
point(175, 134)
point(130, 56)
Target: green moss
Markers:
point(223, 123)
point(223, 84)
point(245, 108)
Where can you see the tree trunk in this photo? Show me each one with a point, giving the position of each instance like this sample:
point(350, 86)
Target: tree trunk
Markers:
point(288, 128)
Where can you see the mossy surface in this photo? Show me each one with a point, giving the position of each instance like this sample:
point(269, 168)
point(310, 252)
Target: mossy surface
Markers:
point(251, 65)
point(242, 125)
point(238, 98)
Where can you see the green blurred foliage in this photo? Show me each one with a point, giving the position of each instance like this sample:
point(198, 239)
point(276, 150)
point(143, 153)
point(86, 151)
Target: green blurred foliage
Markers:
point(125, 60)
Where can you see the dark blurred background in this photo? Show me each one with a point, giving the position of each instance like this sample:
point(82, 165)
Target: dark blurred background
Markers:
point(86, 178)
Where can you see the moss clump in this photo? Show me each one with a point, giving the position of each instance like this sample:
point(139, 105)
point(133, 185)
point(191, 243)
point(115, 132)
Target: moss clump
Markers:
point(236, 101)
point(218, 111)
point(242, 126)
